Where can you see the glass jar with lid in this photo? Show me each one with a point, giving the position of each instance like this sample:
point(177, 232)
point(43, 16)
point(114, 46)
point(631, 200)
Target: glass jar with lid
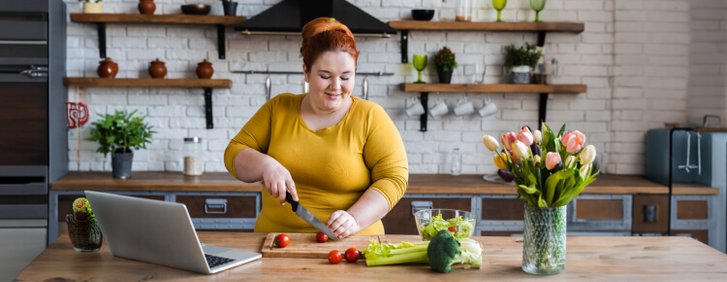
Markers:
point(192, 161)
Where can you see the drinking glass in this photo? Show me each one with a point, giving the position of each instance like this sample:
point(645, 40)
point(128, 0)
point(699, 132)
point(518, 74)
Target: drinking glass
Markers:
point(420, 63)
point(499, 5)
point(537, 6)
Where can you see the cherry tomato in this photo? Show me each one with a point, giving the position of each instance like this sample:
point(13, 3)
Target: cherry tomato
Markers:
point(335, 257)
point(281, 241)
point(352, 255)
point(321, 237)
point(452, 228)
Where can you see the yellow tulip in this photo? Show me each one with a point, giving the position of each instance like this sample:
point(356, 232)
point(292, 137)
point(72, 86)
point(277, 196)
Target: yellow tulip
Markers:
point(500, 160)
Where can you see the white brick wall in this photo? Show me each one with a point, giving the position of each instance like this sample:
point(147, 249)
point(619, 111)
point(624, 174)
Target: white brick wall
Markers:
point(639, 58)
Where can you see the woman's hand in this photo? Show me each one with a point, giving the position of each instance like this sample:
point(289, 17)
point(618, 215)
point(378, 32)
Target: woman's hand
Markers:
point(343, 224)
point(277, 180)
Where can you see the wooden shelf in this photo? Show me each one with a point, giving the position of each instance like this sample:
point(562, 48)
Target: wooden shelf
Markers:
point(489, 26)
point(147, 82)
point(102, 19)
point(156, 19)
point(206, 84)
point(496, 88)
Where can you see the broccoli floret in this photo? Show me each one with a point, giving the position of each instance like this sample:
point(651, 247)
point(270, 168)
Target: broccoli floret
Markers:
point(444, 251)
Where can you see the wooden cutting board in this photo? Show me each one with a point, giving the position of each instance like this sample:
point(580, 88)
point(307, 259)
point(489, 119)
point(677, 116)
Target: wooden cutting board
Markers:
point(304, 245)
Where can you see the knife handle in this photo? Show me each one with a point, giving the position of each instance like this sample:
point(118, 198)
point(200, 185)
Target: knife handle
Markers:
point(289, 199)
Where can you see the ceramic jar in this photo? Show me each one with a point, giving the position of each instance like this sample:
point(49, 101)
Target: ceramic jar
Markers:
point(157, 69)
point(146, 7)
point(107, 68)
point(205, 70)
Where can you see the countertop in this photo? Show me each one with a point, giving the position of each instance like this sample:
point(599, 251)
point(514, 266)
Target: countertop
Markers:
point(588, 258)
point(418, 184)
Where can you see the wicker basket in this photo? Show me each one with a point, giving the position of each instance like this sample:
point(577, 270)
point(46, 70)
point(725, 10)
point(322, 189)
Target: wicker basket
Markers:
point(85, 235)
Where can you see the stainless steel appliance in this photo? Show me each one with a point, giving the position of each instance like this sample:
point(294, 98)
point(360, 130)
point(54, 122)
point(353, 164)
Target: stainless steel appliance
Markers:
point(33, 139)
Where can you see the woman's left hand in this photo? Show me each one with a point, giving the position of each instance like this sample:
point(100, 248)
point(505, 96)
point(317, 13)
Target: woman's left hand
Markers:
point(343, 224)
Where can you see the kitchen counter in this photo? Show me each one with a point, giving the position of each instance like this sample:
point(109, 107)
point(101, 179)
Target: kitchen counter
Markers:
point(588, 258)
point(418, 184)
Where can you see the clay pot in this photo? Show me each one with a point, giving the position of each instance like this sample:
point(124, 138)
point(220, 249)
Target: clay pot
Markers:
point(157, 69)
point(146, 7)
point(205, 70)
point(107, 68)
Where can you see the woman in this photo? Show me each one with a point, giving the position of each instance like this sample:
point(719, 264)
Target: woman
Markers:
point(340, 156)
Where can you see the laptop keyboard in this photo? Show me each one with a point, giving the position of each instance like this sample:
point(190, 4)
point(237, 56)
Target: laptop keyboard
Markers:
point(214, 261)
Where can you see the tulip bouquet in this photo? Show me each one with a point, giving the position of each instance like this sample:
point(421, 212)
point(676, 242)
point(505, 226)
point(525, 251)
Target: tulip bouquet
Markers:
point(549, 170)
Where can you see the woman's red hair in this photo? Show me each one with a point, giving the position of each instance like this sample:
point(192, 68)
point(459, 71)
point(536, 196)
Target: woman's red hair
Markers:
point(326, 34)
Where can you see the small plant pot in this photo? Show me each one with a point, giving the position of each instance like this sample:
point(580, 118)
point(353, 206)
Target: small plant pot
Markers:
point(121, 164)
point(445, 76)
point(521, 75)
point(85, 235)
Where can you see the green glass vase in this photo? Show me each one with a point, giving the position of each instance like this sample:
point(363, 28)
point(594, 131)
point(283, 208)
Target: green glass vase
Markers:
point(544, 240)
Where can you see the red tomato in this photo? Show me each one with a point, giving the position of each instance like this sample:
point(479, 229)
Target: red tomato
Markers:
point(321, 237)
point(335, 257)
point(352, 255)
point(281, 241)
point(452, 228)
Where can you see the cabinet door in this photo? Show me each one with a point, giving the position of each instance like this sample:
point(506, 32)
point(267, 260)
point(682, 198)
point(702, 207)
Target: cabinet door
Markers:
point(650, 214)
point(600, 213)
point(400, 220)
point(219, 206)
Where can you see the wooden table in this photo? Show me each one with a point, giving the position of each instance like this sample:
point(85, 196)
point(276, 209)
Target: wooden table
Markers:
point(589, 258)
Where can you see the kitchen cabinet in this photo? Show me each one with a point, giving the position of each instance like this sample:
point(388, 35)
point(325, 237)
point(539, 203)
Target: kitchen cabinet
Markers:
point(691, 217)
point(650, 214)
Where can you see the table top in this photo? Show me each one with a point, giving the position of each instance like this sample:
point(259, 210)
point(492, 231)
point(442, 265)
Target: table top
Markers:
point(418, 184)
point(588, 258)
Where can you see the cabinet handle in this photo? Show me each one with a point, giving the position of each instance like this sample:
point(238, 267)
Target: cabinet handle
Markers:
point(215, 206)
point(420, 205)
point(650, 213)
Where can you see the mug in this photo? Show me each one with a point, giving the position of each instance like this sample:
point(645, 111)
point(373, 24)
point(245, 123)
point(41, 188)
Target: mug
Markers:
point(488, 109)
point(438, 109)
point(415, 107)
point(464, 107)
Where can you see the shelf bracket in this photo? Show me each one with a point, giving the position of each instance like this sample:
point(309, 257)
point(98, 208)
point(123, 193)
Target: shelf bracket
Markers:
point(541, 38)
point(101, 27)
point(542, 108)
point(208, 107)
point(405, 47)
point(220, 42)
point(424, 98)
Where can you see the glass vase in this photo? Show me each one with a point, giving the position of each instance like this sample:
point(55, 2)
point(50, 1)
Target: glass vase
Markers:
point(85, 235)
point(544, 240)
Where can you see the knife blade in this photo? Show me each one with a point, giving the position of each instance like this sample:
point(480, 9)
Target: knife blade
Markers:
point(308, 217)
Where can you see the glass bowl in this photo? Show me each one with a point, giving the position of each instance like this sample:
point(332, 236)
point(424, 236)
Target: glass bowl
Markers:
point(430, 221)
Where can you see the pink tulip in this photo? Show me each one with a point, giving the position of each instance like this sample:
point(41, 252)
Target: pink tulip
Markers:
point(525, 136)
point(507, 140)
point(573, 141)
point(552, 159)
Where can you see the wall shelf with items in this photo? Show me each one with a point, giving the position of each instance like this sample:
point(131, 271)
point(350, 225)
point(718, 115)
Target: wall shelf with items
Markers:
point(541, 28)
point(542, 89)
point(102, 19)
point(206, 84)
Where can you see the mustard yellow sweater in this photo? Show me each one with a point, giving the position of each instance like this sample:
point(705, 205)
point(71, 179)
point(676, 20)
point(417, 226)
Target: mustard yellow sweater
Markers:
point(331, 167)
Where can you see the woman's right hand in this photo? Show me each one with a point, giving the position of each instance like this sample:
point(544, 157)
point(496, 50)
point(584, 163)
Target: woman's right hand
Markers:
point(277, 180)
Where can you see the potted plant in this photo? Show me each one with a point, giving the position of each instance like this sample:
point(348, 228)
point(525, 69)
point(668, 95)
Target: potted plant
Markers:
point(522, 61)
point(445, 63)
point(118, 134)
point(92, 6)
point(85, 234)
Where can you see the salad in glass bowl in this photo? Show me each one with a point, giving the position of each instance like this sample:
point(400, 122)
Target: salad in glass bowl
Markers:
point(430, 221)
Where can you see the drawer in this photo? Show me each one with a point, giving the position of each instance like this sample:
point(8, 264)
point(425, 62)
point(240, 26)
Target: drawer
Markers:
point(65, 203)
point(400, 220)
point(600, 213)
point(502, 209)
point(650, 214)
point(214, 206)
point(691, 212)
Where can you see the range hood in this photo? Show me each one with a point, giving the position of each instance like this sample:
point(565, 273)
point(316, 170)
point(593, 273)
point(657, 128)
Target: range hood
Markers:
point(289, 16)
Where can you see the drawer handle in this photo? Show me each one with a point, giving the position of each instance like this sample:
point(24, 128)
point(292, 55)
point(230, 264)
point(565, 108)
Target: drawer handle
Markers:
point(215, 206)
point(420, 205)
point(649, 213)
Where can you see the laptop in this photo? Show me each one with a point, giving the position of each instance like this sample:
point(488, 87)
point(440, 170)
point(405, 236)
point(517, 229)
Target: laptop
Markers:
point(159, 232)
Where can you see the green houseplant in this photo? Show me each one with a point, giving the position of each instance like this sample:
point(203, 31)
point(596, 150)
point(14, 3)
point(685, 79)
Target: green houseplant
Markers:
point(118, 134)
point(83, 230)
point(445, 62)
point(521, 61)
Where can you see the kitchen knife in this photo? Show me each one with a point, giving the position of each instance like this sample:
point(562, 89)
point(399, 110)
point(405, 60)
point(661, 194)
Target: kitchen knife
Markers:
point(303, 213)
